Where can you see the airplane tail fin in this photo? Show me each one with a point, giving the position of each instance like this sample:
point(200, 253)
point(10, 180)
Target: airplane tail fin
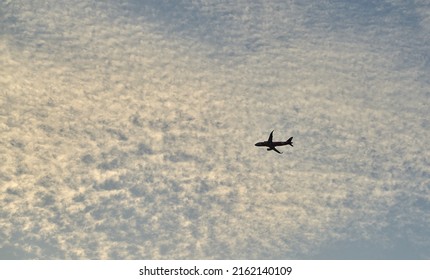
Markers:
point(290, 142)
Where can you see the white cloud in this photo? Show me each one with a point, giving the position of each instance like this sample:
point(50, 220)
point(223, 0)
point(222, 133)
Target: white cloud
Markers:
point(127, 130)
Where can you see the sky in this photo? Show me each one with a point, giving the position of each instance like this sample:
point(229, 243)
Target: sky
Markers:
point(127, 129)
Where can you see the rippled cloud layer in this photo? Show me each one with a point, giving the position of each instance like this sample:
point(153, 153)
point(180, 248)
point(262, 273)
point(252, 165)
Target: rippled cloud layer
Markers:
point(127, 130)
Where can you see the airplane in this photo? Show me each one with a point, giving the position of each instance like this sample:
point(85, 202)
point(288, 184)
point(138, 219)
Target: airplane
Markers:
point(272, 145)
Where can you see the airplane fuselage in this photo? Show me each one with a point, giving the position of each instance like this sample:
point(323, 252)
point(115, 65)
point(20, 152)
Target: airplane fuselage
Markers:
point(272, 144)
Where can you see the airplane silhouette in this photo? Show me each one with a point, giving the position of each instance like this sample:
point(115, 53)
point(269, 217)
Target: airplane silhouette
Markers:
point(271, 145)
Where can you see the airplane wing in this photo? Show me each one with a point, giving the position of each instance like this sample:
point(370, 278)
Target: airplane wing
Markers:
point(270, 137)
point(276, 150)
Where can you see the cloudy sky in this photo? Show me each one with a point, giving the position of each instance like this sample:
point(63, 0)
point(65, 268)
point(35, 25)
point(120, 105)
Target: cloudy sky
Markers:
point(127, 129)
